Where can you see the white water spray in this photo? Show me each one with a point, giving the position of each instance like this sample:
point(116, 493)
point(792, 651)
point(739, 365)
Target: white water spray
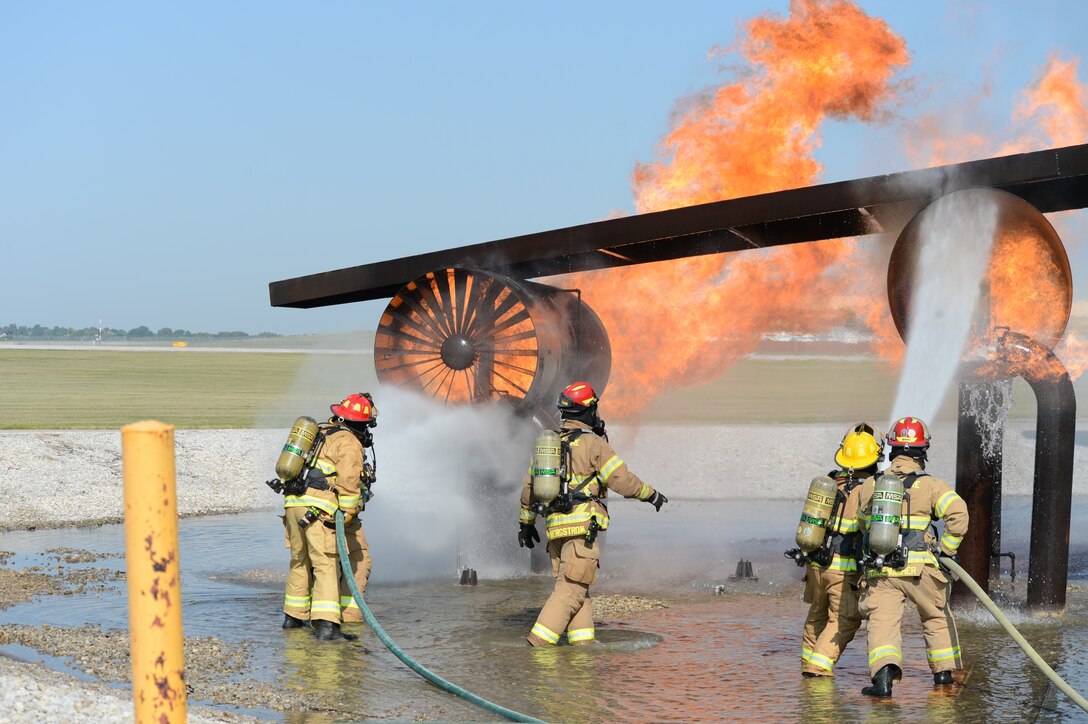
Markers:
point(449, 479)
point(989, 405)
point(448, 476)
point(956, 235)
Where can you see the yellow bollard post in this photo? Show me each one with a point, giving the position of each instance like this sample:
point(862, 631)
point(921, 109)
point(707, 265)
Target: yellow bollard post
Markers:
point(154, 575)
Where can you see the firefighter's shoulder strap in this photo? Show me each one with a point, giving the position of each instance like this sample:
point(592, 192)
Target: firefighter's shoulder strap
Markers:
point(912, 478)
point(567, 437)
point(314, 476)
point(324, 429)
point(841, 494)
point(908, 482)
point(851, 483)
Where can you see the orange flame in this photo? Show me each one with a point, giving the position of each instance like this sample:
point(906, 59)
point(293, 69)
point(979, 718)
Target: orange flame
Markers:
point(1074, 353)
point(827, 59)
point(1058, 105)
point(1017, 355)
point(1055, 109)
point(1027, 290)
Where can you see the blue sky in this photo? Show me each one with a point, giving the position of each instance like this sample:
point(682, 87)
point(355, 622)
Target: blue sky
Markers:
point(161, 163)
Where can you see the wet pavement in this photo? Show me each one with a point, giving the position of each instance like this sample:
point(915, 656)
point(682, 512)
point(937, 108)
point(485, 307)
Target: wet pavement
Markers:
point(720, 650)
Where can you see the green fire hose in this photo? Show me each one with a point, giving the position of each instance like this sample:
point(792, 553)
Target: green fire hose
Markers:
point(1011, 630)
point(345, 566)
point(342, 548)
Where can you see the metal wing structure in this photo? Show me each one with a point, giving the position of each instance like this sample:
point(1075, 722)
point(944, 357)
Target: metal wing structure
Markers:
point(1051, 180)
point(466, 325)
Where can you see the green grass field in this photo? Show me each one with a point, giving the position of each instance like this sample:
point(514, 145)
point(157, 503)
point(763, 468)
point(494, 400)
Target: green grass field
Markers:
point(104, 389)
point(806, 391)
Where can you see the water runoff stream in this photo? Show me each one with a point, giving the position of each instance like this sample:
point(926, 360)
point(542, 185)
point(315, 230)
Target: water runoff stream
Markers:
point(722, 650)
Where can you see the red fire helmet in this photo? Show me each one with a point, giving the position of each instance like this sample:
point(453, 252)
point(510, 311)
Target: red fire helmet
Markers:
point(578, 393)
point(358, 407)
point(909, 432)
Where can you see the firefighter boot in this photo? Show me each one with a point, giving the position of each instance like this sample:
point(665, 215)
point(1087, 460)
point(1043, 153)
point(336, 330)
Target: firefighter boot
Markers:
point(290, 621)
point(330, 631)
point(882, 682)
point(942, 678)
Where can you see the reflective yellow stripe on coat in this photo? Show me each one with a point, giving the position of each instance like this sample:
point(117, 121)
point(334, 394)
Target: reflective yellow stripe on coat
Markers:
point(576, 522)
point(846, 564)
point(305, 501)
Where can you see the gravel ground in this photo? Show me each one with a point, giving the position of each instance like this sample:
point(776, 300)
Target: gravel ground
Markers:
point(217, 472)
point(57, 479)
point(63, 478)
point(54, 479)
point(33, 694)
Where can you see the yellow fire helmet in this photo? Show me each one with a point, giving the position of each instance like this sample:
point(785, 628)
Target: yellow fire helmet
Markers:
point(861, 447)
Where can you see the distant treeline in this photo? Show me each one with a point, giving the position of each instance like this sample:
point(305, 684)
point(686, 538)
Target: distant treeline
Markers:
point(14, 331)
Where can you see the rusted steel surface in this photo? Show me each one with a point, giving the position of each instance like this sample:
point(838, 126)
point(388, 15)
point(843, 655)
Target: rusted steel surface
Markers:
point(1051, 180)
point(153, 572)
point(1055, 434)
point(978, 482)
point(1018, 355)
point(1052, 495)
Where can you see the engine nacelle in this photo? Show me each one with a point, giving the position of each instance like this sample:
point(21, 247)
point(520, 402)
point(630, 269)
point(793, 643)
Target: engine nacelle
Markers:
point(470, 336)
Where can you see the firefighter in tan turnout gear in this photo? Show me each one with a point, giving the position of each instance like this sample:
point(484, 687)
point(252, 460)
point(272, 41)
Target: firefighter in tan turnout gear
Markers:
point(588, 468)
point(358, 551)
point(900, 554)
point(831, 571)
point(333, 477)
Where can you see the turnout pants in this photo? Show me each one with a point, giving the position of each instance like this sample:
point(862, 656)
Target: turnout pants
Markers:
point(313, 590)
point(359, 560)
point(568, 609)
point(883, 602)
point(833, 618)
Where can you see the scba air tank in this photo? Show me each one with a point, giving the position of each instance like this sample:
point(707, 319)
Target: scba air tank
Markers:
point(547, 461)
point(814, 516)
point(886, 514)
point(298, 446)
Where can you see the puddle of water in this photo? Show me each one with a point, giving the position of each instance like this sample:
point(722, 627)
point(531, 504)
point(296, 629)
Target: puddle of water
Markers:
point(706, 658)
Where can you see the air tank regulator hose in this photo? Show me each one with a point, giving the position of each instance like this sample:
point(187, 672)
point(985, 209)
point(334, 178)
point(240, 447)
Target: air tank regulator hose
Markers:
point(1011, 631)
point(345, 566)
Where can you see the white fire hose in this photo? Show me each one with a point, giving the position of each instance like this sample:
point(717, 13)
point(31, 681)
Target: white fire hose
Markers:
point(1011, 630)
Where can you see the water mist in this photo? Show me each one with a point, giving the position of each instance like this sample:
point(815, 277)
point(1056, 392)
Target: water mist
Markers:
point(957, 237)
point(448, 476)
point(449, 479)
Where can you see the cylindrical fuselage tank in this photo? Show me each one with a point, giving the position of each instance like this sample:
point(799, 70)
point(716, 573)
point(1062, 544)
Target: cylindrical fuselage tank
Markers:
point(1028, 287)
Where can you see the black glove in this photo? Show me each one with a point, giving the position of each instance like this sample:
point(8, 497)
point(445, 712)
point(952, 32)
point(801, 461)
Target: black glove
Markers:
point(657, 500)
point(527, 534)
